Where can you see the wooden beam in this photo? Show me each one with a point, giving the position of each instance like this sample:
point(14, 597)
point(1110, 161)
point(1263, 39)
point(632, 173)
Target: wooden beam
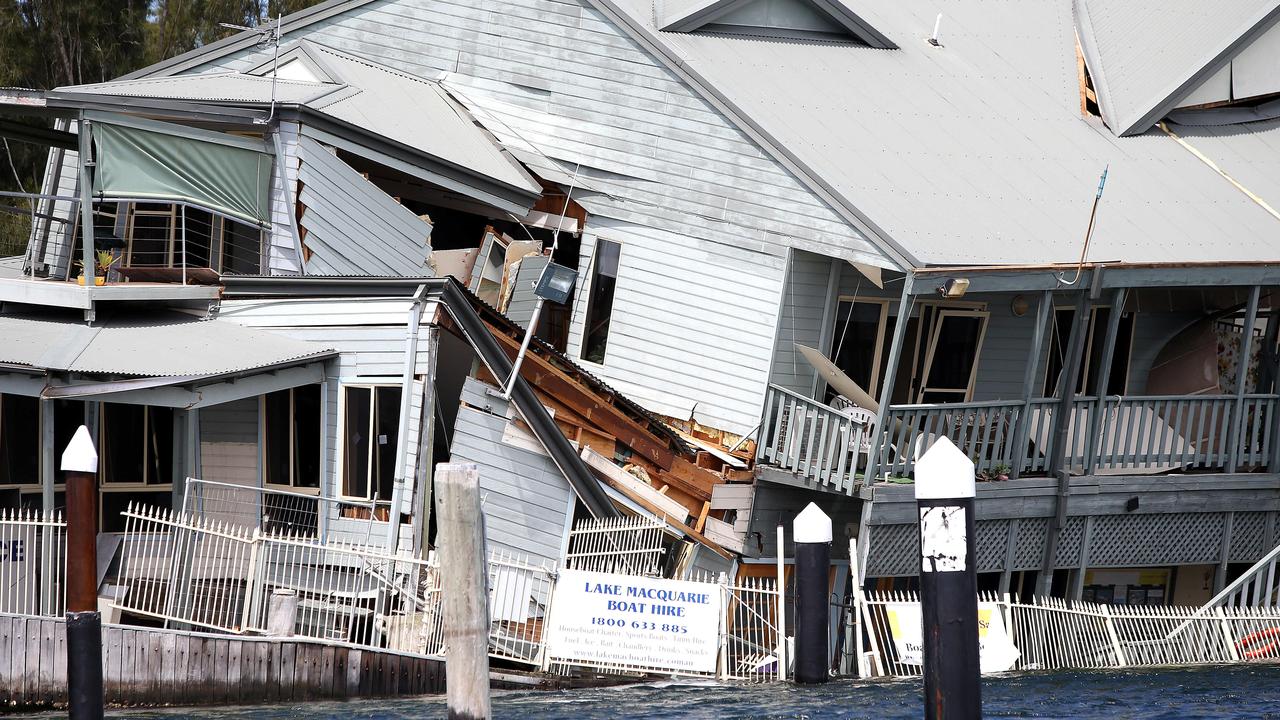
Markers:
point(642, 502)
point(542, 374)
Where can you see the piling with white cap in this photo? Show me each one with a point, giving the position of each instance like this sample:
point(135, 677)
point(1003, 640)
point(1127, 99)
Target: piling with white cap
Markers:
point(948, 583)
point(811, 532)
point(84, 622)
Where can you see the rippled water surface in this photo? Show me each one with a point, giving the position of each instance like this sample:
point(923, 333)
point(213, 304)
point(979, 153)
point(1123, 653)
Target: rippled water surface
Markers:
point(1235, 692)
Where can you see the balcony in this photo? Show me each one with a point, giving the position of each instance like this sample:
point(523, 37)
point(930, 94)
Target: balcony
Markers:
point(833, 449)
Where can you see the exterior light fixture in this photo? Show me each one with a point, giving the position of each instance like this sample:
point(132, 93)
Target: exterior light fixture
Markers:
point(954, 288)
point(556, 283)
point(1020, 306)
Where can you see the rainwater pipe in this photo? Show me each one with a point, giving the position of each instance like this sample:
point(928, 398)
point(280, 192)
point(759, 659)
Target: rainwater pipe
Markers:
point(406, 405)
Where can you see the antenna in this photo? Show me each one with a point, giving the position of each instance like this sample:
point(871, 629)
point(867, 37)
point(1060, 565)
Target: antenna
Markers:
point(935, 38)
point(275, 36)
point(1088, 234)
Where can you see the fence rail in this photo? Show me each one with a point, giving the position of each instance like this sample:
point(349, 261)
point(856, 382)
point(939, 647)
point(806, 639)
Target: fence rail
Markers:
point(278, 511)
point(1054, 634)
point(813, 440)
point(33, 563)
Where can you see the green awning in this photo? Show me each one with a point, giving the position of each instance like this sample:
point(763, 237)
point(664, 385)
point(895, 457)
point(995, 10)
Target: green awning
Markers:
point(147, 159)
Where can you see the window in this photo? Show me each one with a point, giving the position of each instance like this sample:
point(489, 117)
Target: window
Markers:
point(155, 232)
point(150, 235)
point(1095, 342)
point(135, 452)
point(19, 440)
point(291, 453)
point(604, 277)
point(370, 420)
point(858, 335)
point(945, 345)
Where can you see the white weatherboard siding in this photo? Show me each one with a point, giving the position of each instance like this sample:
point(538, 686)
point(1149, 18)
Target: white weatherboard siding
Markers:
point(282, 248)
point(369, 334)
point(229, 454)
point(804, 302)
point(692, 330)
point(528, 504)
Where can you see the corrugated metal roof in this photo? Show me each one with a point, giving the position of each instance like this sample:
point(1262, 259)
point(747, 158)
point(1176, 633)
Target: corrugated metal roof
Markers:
point(975, 152)
point(213, 87)
point(403, 108)
point(1145, 55)
point(151, 346)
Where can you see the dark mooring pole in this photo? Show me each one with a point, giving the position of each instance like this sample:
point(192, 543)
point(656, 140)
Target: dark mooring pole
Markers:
point(948, 584)
point(84, 622)
point(811, 532)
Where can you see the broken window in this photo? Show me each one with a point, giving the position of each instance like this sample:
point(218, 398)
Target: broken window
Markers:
point(604, 277)
point(371, 418)
point(859, 334)
point(291, 421)
point(136, 459)
point(1091, 368)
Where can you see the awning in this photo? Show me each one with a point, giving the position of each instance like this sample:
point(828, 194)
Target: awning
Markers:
point(138, 158)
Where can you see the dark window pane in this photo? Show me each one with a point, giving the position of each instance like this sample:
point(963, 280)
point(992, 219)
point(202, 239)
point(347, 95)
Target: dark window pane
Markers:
point(19, 440)
point(595, 335)
point(954, 356)
point(276, 430)
point(1058, 341)
point(241, 248)
point(122, 443)
point(1118, 383)
point(856, 329)
point(355, 449)
point(114, 503)
point(160, 446)
point(386, 426)
point(151, 237)
point(306, 436)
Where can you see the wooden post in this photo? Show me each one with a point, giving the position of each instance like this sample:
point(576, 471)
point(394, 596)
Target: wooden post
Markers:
point(1098, 421)
point(882, 434)
point(84, 623)
point(811, 533)
point(1242, 379)
point(1030, 372)
point(782, 606)
point(1061, 433)
point(466, 607)
point(948, 583)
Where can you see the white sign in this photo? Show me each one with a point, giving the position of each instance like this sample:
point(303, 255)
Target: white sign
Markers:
point(943, 542)
point(996, 650)
point(608, 619)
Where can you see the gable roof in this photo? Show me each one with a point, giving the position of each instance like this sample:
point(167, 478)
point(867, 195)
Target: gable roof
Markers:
point(972, 153)
point(690, 15)
point(413, 112)
point(1146, 55)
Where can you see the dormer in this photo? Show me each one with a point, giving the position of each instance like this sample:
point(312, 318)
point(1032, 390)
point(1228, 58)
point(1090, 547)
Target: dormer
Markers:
point(821, 20)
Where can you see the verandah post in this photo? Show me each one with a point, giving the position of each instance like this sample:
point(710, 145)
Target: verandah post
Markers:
point(1098, 420)
point(882, 434)
point(1030, 373)
point(1242, 379)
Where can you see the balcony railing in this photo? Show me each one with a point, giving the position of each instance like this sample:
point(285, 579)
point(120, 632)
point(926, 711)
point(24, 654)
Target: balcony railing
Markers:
point(1107, 436)
point(814, 441)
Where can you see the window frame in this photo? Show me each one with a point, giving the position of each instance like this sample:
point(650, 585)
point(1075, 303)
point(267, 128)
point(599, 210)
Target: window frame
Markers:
point(372, 385)
point(105, 486)
point(589, 296)
point(873, 388)
point(292, 485)
point(1090, 331)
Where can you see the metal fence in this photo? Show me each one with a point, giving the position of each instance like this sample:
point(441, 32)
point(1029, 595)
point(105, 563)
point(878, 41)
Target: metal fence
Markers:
point(33, 563)
point(750, 641)
point(519, 601)
point(1054, 634)
point(627, 545)
point(278, 511)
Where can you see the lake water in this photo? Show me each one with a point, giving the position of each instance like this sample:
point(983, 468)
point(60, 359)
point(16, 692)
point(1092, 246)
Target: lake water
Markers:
point(1189, 694)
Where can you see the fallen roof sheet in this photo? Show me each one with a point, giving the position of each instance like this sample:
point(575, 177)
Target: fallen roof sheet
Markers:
point(167, 345)
point(1146, 55)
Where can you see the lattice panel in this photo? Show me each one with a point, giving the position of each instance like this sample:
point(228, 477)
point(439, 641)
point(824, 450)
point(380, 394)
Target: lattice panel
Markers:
point(1028, 550)
point(895, 551)
point(1164, 539)
point(993, 541)
point(1248, 536)
point(1069, 543)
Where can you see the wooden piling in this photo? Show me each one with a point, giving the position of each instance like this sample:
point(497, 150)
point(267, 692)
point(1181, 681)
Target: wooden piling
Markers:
point(466, 607)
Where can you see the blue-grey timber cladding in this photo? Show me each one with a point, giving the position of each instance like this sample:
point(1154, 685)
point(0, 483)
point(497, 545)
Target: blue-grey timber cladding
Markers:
point(528, 504)
point(352, 227)
point(704, 215)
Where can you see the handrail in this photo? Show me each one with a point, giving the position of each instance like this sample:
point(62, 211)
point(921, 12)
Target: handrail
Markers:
point(815, 441)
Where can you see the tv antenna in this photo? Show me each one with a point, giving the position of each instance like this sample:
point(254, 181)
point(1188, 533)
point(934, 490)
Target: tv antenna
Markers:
point(270, 33)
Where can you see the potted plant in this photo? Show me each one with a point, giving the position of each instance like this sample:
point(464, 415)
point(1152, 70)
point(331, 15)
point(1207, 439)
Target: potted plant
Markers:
point(105, 259)
point(998, 472)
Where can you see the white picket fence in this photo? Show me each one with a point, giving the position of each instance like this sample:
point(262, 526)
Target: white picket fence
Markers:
point(1054, 634)
point(628, 545)
point(33, 563)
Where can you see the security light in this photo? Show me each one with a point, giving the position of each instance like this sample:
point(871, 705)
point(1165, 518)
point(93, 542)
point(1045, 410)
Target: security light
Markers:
point(556, 283)
point(954, 288)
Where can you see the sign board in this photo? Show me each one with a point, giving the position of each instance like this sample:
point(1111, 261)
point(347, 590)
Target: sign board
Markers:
point(609, 619)
point(996, 650)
